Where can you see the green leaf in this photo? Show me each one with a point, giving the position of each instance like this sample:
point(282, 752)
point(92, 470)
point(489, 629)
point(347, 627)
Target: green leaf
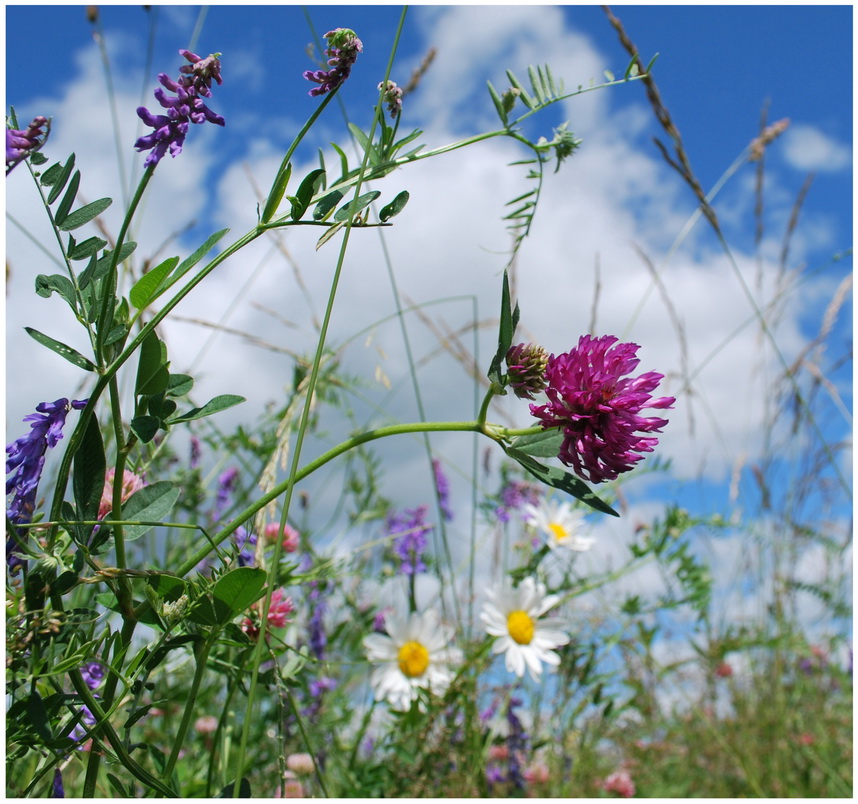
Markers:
point(541, 445)
point(56, 177)
point(98, 269)
point(68, 199)
point(191, 261)
point(394, 207)
point(528, 101)
point(353, 207)
point(61, 349)
point(506, 331)
point(326, 205)
point(84, 250)
point(145, 427)
point(243, 790)
point(46, 285)
point(561, 480)
point(90, 467)
point(146, 288)
point(37, 717)
point(179, 385)
point(276, 194)
point(236, 590)
point(152, 373)
point(85, 214)
point(306, 190)
point(329, 233)
point(117, 786)
point(496, 99)
point(150, 504)
point(216, 405)
point(344, 161)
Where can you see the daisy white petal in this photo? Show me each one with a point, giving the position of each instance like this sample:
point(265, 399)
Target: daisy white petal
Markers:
point(561, 524)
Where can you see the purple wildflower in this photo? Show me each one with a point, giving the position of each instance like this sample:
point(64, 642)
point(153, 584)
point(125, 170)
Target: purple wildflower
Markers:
point(514, 496)
point(443, 487)
point(342, 52)
point(318, 638)
point(93, 674)
point(195, 452)
point(225, 487)
point(57, 789)
point(392, 97)
point(185, 108)
point(26, 457)
point(409, 532)
point(20, 144)
point(246, 543)
point(598, 408)
point(517, 743)
point(526, 369)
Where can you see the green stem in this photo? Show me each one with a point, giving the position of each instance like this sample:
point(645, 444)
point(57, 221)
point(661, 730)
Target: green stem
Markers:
point(345, 446)
point(201, 661)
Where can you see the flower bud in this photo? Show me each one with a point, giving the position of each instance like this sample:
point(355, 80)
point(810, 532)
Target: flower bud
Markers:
point(526, 366)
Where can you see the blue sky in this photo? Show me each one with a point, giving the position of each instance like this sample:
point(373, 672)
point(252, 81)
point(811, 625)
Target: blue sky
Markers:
point(717, 67)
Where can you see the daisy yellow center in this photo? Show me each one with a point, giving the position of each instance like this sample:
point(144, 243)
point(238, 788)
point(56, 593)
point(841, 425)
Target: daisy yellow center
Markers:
point(560, 533)
point(520, 627)
point(413, 659)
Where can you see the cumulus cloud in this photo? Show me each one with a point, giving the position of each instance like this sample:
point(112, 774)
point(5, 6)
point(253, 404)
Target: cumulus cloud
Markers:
point(806, 147)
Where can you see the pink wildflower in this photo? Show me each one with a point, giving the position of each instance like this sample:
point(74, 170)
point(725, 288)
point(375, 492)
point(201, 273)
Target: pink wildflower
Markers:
point(619, 782)
point(130, 484)
point(291, 537)
point(598, 407)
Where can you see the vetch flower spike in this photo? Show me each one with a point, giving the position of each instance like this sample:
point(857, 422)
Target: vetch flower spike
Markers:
point(392, 97)
point(185, 108)
point(598, 407)
point(342, 52)
point(21, 144)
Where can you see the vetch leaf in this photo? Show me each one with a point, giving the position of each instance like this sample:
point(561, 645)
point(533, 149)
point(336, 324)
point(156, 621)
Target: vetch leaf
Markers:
point(90, 467)
point(276, 195)
point(146, 288)
point(353, 207)
point(84, 250)
point(326, 205)
point(46, 285)
point(85, 214)
point(329, 233)
point(216, 405)
point(394, 207)
point(56, 177)
point(61, 349)
point(68, 199)
point(306, 190)
point(561, 480)
point(152, 373)
point(150, 504)
point(191, 261)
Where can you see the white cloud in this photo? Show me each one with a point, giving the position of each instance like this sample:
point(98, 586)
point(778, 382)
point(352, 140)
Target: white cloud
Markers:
point(808, 148)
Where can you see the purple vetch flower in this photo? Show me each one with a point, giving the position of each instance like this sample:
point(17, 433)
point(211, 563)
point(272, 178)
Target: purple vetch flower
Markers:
point(21, 143)
point(318, 638)
point(196, 452)
point(342, 52)
point(516, 742)
point(93, 674)
point(526, 365)
point(443, 487)
point(225, 487)
point(392, 97)
point(409, 543)
point(598, 407)
point(26, 457)
point(185, 108)
point(246, 544)
point(514, 496)
point(57, 789)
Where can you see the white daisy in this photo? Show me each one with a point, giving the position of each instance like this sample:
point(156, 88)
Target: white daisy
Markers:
point(561, 523)
point(514, 615)
point(415, 654)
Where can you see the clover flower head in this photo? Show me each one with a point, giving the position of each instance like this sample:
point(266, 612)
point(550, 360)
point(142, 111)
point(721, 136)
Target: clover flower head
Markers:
point(413, 654)
point(598, 407)
point(290, 537)
point(342, 52)
point(515, 617)
point(130, 484)
point(392, 97)
point(526, 364)
point(278, 614)
point(182, 109)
